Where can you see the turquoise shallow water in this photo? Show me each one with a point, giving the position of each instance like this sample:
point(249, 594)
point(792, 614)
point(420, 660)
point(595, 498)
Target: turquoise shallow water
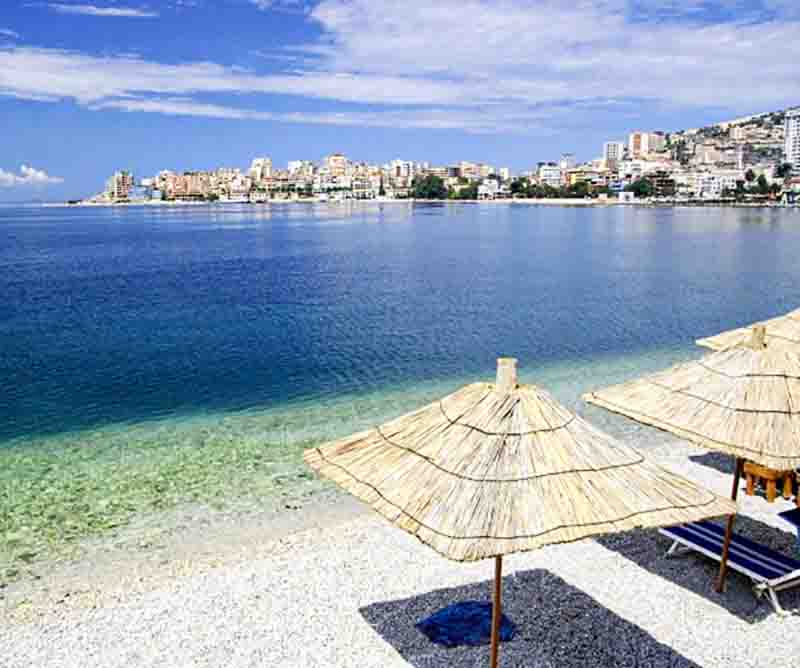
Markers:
point(155, 357)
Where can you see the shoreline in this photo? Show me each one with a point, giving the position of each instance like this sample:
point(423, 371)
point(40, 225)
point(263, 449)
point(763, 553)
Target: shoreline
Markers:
point(333, 584)
point(565, 201)
point(130, 472)
point(158, 548)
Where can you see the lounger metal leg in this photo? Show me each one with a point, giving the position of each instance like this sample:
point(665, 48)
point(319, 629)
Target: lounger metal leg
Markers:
point(773, 598)
point(761, 590)
point(675, 548)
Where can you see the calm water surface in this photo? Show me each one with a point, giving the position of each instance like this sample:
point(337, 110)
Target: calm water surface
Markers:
point(155, 355)
point(117, 315)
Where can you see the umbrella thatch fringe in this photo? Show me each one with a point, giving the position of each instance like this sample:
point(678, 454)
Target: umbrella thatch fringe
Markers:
point(741, 401)
point(782, 331)
point(485, 473)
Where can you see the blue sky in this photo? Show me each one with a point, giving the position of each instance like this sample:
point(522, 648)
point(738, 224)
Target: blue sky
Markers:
point(91, 86)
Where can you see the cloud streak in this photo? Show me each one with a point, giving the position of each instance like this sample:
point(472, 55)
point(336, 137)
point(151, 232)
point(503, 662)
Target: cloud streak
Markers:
point(7, 32)
point(94, 10)
point(28, 176)
point(515, 65)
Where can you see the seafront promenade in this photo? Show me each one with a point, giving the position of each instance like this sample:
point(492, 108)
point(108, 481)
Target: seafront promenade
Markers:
point(565, 201)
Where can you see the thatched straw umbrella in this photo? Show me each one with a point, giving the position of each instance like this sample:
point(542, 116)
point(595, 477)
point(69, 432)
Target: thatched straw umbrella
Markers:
point(500, 468)
point(783, 331)
point(744, 401)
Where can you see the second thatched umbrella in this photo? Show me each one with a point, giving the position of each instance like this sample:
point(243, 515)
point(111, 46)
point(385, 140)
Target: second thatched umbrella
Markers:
point(500, 468)
point(744, 401)
point(780, 332)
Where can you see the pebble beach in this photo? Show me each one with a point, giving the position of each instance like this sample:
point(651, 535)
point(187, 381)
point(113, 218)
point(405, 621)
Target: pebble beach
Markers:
point(327, 583)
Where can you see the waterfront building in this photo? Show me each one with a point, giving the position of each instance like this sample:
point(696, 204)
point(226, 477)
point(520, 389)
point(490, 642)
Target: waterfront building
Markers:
point(401, 173)
point(197, 185)
point(337, 165)
point(504, 173)
point(491, 189)
point(550, 175)
point(119, 185)
point(716, 183)
point(465, 170)
point(662, 182)
point(792, 138)
point(261, 169)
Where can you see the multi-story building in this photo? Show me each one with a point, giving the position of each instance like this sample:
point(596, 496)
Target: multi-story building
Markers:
point(197, 185)
point(336, 165)
point(484, 171)
point(613, 152)
point(261, 169)
point(465, 170)
point(792, 138)
point(642, 144)
point(550, 175)
point(662, 182)
point(713, 184)
point(119, 185)
point(401, 173)
point(504, 173)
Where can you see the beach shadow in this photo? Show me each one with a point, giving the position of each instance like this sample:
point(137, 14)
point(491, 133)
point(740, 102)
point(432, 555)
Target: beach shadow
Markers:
point(719, 461)
point(558, 626)
point(698, 574)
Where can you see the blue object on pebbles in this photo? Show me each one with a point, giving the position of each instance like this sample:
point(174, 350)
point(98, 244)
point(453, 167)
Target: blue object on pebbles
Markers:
point(466, 623)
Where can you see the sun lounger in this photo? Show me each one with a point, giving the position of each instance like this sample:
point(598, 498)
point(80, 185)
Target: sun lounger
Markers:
point(770, 571)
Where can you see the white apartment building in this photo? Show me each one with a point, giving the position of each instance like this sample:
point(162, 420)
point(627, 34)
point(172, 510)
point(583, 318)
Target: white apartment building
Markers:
point(613, 152)
point(301, 169)
point(712, 184)
point(261, 169)
point(792, 138)
point(504, 173)
point(550, 175)
point(337, 165)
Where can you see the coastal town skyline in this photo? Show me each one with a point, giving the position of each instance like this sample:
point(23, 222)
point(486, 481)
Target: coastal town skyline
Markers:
point(752, 156)
point(86, 87)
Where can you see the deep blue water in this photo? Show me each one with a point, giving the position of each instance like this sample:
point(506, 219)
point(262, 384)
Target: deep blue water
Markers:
point(116, 315)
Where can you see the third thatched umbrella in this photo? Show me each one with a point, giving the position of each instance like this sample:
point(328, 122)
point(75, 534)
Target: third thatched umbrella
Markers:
point(500, 468)
point(744, 401)
point(783, 331)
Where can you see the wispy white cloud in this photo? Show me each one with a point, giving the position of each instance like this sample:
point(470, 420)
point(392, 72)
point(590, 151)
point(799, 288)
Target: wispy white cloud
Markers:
point(442, 118)
point(28, 176)
point(94, 10)
point(7, 32)
point(530, 64)
point(65, 74)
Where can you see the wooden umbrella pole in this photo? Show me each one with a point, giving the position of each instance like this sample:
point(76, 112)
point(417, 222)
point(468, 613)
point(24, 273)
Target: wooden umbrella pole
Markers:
point(723, 566)
point(497, 608)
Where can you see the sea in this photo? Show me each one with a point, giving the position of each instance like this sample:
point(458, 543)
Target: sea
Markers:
point(157, 356)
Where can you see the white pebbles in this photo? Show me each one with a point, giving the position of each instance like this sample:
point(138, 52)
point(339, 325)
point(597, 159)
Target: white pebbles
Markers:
point(349, 595)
